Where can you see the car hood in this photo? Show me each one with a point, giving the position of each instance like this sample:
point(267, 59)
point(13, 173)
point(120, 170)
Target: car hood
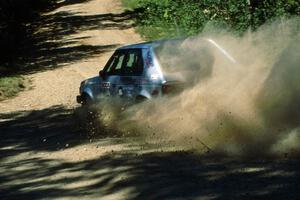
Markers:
point(92, 80)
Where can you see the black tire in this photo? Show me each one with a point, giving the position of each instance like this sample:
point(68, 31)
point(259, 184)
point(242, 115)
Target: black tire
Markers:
point(88, 113)
point(140, 99)
point(86, 101)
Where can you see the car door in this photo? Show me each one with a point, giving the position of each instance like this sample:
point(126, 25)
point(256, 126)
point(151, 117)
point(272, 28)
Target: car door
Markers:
point(132, 70)
point(111, 73)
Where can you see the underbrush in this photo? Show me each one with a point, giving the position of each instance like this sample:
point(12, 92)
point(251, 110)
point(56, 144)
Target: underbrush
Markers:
point(11, 86)
point(165, 18)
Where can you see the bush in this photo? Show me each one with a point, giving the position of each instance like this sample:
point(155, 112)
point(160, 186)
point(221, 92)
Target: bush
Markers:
point(165, 18)
point(10, 86)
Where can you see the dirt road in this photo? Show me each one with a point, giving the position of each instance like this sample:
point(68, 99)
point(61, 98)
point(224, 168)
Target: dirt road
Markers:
point(44, 155)
point(59, 86)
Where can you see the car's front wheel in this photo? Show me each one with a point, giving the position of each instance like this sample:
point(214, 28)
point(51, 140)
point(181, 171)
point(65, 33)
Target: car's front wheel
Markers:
point(86, 101)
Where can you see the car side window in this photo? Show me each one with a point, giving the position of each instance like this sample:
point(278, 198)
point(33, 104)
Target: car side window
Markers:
point(120, 62)
point(114, 65)
point(133, 65)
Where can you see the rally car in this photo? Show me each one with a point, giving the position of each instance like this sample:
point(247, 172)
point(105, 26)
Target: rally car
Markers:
point(148, 70)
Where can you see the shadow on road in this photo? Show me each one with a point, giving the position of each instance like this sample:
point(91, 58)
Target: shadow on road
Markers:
point(41, 130)
point(126, 173)
point(150, 176)
point(47, 130)
point(47, 46)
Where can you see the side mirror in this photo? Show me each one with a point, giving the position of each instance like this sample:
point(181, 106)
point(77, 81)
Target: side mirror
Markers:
point(101, 74)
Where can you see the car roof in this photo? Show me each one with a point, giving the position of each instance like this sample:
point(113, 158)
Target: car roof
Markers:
point(144, 45)
point(158, 43)
point(147, 45)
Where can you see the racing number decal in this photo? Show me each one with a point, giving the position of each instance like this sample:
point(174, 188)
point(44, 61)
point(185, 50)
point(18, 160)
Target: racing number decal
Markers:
point(106, 85)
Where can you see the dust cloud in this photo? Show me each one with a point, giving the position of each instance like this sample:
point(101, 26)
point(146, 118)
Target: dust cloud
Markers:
point(243, 96)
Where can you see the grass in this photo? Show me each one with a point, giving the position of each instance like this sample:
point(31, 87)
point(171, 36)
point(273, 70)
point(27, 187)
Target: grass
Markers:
point(148, 32)
point(11, 86)
point(162, 31)
point(130, 4)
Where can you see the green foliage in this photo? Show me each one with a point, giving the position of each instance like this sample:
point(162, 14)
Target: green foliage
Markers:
point(130, 4)
point(167, 18)
point(10, 86)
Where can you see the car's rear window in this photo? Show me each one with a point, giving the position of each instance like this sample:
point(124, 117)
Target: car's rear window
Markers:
point(184, 59)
